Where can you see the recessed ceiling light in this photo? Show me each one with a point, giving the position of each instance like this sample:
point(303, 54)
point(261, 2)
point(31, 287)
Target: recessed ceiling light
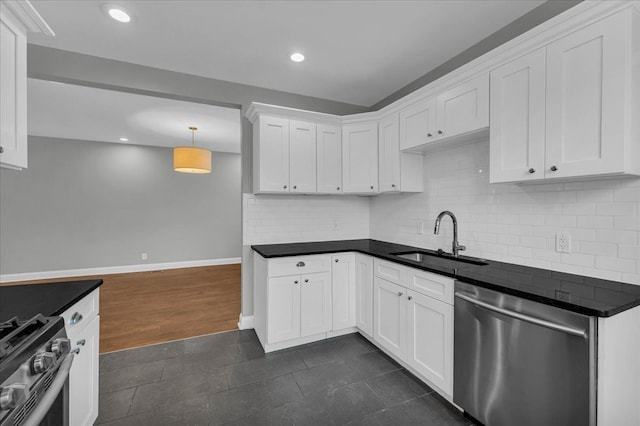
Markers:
point(119, 15)
point(124, 139)
point(297, 57)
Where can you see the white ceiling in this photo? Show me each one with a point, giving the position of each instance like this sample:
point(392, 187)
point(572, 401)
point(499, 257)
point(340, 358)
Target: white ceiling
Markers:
point(77, 112)
point(357, 51)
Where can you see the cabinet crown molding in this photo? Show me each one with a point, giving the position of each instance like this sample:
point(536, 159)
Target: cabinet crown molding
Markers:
point(28, 16)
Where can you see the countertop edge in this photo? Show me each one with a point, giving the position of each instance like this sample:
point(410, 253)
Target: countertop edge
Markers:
point(81, 296)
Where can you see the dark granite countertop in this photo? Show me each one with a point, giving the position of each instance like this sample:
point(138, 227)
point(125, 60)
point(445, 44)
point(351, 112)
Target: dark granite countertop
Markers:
point(585, 295)
point(27, 300)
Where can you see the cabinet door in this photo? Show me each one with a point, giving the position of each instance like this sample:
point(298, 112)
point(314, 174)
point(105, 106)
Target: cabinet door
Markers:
point(315, 304)
point(13, 86)
point(430, 339)
point(517, 119)
point(271, 155)
point(343, 284)
point(418, 124)
point(360, 158)
point(586, 95)
point(283, 321)
point(389, 154)
point(389, 313)
point(329, 159)
point(364, 294)
point(464, 108)
point(302, 158)
point(83, 377)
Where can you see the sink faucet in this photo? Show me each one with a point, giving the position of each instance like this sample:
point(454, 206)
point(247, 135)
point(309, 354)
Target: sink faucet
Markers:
point(454, 246)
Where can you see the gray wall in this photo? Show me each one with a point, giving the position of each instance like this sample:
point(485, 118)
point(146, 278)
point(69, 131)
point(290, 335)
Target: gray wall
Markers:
point(84, 204)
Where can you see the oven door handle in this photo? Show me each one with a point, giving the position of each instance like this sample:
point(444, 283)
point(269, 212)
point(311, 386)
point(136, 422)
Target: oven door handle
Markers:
point(41, 410)
point(523, 317)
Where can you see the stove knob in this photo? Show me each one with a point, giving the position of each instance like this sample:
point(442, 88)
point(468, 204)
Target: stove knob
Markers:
point(60, 347)
point(42, 362)
point(13, 395)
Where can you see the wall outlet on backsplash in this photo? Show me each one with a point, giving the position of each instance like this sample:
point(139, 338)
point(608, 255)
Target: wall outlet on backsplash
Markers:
point(563, 242)
point(420, 227)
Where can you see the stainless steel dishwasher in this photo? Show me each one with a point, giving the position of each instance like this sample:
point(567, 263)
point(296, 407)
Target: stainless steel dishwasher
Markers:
point(519, 362)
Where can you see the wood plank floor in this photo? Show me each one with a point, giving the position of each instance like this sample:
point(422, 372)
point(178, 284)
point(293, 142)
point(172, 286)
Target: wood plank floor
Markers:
point(143, 308)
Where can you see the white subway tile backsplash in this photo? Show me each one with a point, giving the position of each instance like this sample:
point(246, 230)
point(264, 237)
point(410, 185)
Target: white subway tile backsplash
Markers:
point(519, 223)
point(271, 219)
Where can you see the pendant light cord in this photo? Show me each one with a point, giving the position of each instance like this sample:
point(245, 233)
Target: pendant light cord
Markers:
point(193, 135)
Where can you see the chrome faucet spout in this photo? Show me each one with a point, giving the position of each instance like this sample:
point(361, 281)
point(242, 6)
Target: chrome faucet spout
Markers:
point(455, 246)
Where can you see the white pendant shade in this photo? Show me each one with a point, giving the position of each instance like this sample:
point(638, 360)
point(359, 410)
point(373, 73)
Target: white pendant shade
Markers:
point(189, 159)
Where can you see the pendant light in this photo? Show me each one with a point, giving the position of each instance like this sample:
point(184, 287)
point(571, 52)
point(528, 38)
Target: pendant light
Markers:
point(190, 159)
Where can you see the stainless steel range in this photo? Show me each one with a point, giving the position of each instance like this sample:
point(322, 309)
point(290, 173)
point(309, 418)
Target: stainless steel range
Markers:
point(34, 370)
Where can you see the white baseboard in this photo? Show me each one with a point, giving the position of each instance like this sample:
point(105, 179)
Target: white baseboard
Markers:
point(67, 273)
point(246, 322)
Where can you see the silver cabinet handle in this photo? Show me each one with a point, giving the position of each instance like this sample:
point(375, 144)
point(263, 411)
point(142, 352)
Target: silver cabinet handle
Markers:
point(306, 281)
point(429, 135)
point(409, 298)
point(75, 318)
point(300, 264)
point(285, 187)
point(400, 293)
point(337, 260)
point(371, 187)
point(554, 168)
point(440, 132)
point(338, 188)
point(523, 317)
point(393, 185)
point(1, 150)
point(532, 171)
point(81, 342)
point(295, 186)
point(76, 351)
point(295, 282)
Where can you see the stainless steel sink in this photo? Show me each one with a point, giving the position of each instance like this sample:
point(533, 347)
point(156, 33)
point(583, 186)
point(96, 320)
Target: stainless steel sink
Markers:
point(421, 256)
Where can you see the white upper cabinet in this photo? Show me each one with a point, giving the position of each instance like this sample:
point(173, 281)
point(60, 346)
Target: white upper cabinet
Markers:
point(302, 156)
point(360, 158)
point(517, 119)
point(271, 154)
point(454, 115)
point(389, 154)
point(588, 91)
point(569, 109)
point(16, 19)
point(398, 171)
point(329, 158)
point(463, 108)
point(418, 124)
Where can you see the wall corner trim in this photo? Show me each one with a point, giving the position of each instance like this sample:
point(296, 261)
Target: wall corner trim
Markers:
point(69, 273)
point(246, 322)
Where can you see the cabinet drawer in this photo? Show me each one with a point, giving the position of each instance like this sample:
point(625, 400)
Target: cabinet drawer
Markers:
point(299, 265)
point(391, 272)
point(82, 313)
point(432, 285)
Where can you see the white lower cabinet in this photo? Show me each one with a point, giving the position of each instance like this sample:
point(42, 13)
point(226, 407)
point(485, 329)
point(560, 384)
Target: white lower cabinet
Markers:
point(83, 377)
point(82, 323)
point(430, 339)
point(364, 294)
point(343, 285)
point(389, 313)
point(416, 328)
point(299, 306)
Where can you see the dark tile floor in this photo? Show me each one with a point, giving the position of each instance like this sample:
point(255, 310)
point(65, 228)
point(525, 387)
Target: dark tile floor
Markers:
point(226, 378)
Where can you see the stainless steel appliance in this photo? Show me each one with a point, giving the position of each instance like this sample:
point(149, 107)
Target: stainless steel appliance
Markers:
point(519, 362)
point(34, 370)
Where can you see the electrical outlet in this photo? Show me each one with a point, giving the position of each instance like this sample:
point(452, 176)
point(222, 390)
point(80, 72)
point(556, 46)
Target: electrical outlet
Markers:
point(563, 242)
point(420, 227)
point(143, 256)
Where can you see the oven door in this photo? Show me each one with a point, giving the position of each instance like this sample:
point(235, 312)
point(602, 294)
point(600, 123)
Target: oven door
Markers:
point(52, 408)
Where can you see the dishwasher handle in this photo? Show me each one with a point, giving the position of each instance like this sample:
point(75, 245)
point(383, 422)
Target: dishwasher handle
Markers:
point(523, 317)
